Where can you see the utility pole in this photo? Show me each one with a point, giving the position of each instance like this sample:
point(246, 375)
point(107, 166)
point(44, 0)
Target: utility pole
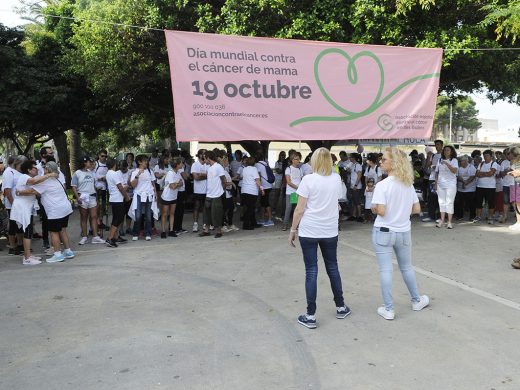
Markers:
point(451, 119)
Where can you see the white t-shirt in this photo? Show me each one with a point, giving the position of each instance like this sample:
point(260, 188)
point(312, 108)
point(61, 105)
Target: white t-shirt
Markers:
point(215, 189)
point(183, 188)
point(125, 178)
point(9, 179)
point(368, 197)
point(199, 186)
point(487, 182)
point(100, 172)
point(465, 174)
point(398, 200)
point(306, 169)
point(228, 187)
point(84, 182)
point(113, 179)
point(235, 165)
point(54, 199)
point(168, 193)
point(145, 184)
point(296, 175)
point(320, 218)
point(446, 178)
point(373, 172)
point(355, 168)
point(507, 180)
point(249, 176)
point(435, 159)
point(263, 174)
point(161, 171)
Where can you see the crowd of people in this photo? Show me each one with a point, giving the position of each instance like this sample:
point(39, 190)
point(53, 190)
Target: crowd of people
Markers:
point(149, 195)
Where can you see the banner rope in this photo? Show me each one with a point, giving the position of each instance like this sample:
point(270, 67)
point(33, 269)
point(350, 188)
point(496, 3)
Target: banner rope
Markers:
point(162, 30)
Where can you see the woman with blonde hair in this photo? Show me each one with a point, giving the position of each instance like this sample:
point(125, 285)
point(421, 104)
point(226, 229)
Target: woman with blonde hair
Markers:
point(315, 220)
point(394, 200)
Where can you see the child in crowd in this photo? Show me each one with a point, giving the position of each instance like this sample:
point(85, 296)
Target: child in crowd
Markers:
point(369, 192)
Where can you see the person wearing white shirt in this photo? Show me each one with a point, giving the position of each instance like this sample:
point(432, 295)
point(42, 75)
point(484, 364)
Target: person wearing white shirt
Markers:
point(213, 207)
point(100, 170)
point(356, 172)
point(181, 198)
point(251, 186)
point(432, 160)
point(145, 198)
point(394, 201)
point(507, 182)
point(58, 208)
point(125, 182)
point(116, 196)
point(160, 170)
point(9, 181)
point(466, 187)
point(316, 222)
point(83, 186)
point(265, 206)
point(293, 177)
point(446, 184)
point(199, 171)
point(24, 207)
point(486, 186)
point(172, 183)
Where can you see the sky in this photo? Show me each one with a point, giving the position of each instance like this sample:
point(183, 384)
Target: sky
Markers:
point(508, 115)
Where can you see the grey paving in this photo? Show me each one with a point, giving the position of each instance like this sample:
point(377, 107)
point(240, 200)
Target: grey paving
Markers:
point(205, 313)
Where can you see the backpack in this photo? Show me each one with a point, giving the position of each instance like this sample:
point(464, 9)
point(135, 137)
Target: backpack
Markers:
point(269, 173)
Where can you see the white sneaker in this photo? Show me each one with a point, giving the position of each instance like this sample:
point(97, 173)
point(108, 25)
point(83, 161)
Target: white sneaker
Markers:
point(35, 257)
point(30, 261)
point(425, 301)
point(211, 227)
point(516, 226)
point(225, 229)
point(195, 227)
point(97, 240)
point(49, 251)
point(55, 258)
point(148, 238)
point(233, 227)
point(83, 241)
point(386, 314)
point(135, 238)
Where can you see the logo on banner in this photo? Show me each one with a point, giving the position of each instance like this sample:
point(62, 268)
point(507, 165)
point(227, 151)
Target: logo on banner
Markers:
point(384, 121)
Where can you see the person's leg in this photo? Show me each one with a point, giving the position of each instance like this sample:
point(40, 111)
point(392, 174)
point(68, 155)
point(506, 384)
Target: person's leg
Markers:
point(171, 213)
point(217, 214)
point(471, 204)
point(56, 242)
point(310, 258)
point(383, 246)
point(490, 196)
point(403, 252)
point(506, 204)
point(148, 219)
point(288, 210)
point(479, 197)
point(165, 209)
point(197, 204)
point(117, 210)
point(64, 238)
point(45, 228)
point(83, 213)
point(329, 248)
point(179, 211)
point(93, 220)
point(206, 216)
point(459, 205)
point(442, 199)
point(27, 236)
point(433, 203)
point(138, 216)
point(450, 202)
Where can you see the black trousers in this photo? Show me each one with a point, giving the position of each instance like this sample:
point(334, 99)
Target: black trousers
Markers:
point(465, 201)
point(249, 203)
point(179, 211)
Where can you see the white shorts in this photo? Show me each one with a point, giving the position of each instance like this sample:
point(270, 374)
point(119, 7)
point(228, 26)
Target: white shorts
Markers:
point(87, 201)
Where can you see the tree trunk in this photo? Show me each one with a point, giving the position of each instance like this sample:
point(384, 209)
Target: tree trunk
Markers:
point(75, 145)
point(318, 144)
point(63, 154)
point(252, 147)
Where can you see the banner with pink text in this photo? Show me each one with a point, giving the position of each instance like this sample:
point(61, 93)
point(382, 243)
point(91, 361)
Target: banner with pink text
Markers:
point(231, 88)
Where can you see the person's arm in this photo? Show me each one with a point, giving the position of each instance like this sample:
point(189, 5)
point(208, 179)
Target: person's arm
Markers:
point(8, 195)
point(289, 181)
point(123, 192)
point(379, 209)
point(39, 179)
point(199, 176)
point(358, 179)
point(515, 173)
point(297, 216)
point(259, 185)
point(452, 168)
point(26, 192)
point(416, 208)
point(223, 181)
point(135, 181)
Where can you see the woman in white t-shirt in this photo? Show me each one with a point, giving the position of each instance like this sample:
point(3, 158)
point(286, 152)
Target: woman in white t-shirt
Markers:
point(24, 206)
point(316, 221)
point(486, 186)
point(145, 198)
point(160, 170)
point(446, 184)
point(116, 196)
point(251, 186)
point(172, 182)
point(293, 177)
point(394, 201)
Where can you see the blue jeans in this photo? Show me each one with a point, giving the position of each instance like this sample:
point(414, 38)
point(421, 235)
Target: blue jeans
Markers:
point(328, 248)
point(385, 243)
point(146, 209)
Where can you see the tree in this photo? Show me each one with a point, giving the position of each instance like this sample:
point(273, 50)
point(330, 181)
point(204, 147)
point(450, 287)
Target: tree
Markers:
point(463, 114)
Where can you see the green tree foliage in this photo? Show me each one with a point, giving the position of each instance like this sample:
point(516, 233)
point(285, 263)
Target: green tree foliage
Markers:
point(506, 18)
point(463, 113)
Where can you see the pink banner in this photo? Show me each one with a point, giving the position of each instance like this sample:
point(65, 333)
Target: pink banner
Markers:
point(231, 88)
